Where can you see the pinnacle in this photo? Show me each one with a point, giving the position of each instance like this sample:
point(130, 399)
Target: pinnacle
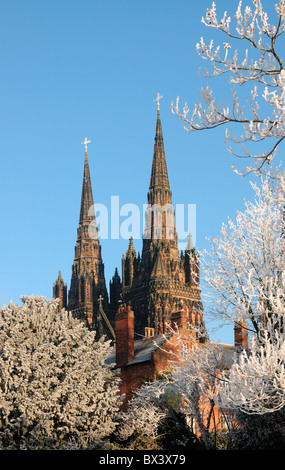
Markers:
point(189, 246)
point(131, 250)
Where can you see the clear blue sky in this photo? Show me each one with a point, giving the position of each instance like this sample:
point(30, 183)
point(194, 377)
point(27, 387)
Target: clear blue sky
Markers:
point(76, 68)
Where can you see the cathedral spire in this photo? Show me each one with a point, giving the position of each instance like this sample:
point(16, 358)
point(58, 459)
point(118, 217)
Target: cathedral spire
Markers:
point(88, 278)
point(86, 196)
point(159, 217)
point(159, 189)
point(155, 283)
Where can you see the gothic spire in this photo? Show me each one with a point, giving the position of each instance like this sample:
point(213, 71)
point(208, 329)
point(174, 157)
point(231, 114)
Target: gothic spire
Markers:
point(86, 195)
point(88, 278)
point(159, 217)
point(159, 189)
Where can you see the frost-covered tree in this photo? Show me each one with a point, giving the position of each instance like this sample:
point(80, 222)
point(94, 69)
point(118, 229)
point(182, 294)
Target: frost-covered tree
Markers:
point(243, 271)
point(143, 415)
point(154, 419)
point(257, 115)
point(253, 390)
point(255, 383)
point(193, 377)
point(55, 387)
point(230, 393)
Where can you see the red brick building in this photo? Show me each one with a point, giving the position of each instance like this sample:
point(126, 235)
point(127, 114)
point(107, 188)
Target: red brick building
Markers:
point(142, 358)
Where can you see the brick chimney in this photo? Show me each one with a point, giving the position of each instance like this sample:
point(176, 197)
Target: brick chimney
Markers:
point(124, 326)
point(241, 334)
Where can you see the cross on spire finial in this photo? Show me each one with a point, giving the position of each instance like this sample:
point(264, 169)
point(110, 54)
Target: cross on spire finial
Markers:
point(158, 98)
point(85, 143)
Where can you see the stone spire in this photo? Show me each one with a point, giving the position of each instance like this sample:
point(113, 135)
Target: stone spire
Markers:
point(154, 285)
point(86, 195)
point(159, 189)
point(159, 217)
point(88, 278)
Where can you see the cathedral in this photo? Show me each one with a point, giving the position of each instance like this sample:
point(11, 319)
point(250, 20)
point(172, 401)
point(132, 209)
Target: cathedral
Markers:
point(154, 293)
point(154, 284)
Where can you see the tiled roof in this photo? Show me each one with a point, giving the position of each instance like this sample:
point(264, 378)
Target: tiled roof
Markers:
point(143, 347)
point(146, 346)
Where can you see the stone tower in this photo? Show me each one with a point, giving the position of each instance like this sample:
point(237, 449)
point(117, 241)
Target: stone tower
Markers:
point(88, 278)
point(161, 281)
point(60, 291)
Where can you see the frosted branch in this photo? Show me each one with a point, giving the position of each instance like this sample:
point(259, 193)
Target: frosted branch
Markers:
point(261, 118)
